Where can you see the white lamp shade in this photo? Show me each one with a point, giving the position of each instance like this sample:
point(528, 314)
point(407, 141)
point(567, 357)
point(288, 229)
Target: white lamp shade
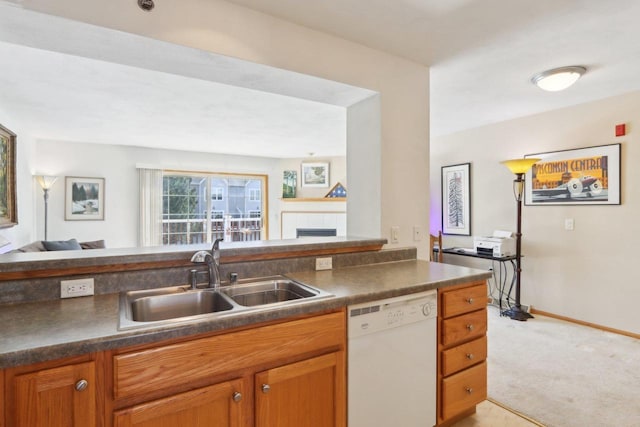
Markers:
point(558, 78)
point(46, 181)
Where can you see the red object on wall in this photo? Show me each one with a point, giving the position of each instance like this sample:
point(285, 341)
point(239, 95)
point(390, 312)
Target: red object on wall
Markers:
point(620, 130)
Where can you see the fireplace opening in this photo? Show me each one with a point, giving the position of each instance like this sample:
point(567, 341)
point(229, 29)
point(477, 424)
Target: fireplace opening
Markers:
point(315, 232)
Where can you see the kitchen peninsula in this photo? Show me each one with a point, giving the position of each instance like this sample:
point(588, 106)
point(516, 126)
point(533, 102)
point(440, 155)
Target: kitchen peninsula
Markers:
point(133, 370)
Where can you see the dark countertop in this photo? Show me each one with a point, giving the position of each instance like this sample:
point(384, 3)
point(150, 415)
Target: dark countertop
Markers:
point(17, 262)
point(36, 332)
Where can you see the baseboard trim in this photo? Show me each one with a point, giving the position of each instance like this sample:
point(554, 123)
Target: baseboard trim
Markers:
point(583, 323)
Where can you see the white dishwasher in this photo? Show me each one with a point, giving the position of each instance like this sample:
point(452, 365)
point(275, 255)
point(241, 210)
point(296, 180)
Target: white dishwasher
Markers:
point(392, 362)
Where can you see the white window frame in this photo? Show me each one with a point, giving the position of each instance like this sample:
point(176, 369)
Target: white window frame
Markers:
point(255, 194)
point(217, 193)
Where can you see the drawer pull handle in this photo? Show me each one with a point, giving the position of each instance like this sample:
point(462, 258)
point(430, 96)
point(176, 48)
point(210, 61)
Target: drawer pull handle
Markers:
point(470, 356)
point(266, 388)
point(470, 327)
point(470, 300)
point(469, 390)
point(237, 396)
point(82, 385)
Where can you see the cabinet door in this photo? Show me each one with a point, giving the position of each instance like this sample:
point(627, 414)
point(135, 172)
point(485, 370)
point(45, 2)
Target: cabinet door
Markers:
point(310, 393)
point(64, 396)
point(220, 405)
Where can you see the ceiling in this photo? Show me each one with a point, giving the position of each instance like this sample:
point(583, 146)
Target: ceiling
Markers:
point(69, 81)
point(481, 55)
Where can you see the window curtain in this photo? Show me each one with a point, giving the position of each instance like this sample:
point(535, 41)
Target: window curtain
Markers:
point(150, 224)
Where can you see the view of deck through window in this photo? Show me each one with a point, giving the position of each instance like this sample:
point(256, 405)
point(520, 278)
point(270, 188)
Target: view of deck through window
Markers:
point(199, 208)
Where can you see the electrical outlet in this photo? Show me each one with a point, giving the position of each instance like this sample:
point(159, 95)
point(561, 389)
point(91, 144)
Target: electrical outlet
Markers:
point(76, 288)
point(324, 263)
point(569, 224)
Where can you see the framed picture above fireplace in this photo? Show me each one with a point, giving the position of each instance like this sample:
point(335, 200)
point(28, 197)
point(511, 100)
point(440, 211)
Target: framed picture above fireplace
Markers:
point(315, 174)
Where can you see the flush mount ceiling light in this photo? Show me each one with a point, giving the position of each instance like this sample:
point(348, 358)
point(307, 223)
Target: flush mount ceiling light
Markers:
point(558, 78)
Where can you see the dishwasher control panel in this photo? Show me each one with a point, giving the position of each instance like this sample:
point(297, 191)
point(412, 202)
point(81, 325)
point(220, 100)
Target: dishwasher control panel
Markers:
point(375, 316)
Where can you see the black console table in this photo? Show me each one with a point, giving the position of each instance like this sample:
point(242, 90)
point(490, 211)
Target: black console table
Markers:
point(501, 278)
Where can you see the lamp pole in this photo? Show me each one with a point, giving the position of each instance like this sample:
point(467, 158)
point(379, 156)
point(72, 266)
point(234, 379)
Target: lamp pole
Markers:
point(519, 167)
point(46, 182)
point(46, 209)
point(516, 312)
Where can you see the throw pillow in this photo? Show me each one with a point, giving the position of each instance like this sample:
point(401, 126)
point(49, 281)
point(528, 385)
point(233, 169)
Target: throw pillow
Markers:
point(96, 244)
point(61, 245)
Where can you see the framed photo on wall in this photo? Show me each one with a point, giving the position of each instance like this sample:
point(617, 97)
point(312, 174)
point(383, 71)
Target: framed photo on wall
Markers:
point(456, 199)
point(315, 174)
point(582, 176)
point(289, 184)
point(84, 199)
point(8, 210)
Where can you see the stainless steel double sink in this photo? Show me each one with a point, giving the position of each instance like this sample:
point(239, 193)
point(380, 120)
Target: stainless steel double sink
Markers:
point(180, 303)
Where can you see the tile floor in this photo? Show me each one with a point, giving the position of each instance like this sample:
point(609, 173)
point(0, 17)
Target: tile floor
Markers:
point(490, 414)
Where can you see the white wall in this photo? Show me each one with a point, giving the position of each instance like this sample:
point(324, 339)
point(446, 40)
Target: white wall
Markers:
point(589, 273)
point(401, 189)
point(117, 164)
point(24, 195)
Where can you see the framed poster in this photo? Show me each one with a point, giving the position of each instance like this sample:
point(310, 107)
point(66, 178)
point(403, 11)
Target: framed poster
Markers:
point(84, 199)
point(582, 176)
point(315, 174)
point(8, 211)
point(456, 199)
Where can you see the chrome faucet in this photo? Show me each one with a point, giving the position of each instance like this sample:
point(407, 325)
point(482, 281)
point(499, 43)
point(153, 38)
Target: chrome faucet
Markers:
point(212, 259)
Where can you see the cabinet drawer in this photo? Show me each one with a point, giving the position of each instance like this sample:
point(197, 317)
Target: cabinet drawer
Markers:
point(463, 300)
point(180, 365)
point(463, 328)
point(461, 357)
point(464, 390)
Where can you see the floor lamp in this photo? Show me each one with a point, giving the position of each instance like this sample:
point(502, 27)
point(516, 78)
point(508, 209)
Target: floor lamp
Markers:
point(46, 182)
point(519, 167)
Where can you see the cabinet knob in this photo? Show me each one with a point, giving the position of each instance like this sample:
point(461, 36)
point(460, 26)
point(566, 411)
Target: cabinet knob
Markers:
point(469, 390)
point(470, 356)
point(470, 300)
point(470, 327)
point(237, 396)
point(82, 385)
point(266, 388)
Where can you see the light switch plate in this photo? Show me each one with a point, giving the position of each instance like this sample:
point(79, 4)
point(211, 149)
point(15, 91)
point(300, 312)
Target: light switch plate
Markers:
point(417, 233)
point(395, 231)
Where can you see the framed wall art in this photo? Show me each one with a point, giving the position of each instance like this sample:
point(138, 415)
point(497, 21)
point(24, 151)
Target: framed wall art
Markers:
point(456, 199)
point(8, 210)
point(289, 184)
point(84, 199)
point(315, 174)
point(582, 176)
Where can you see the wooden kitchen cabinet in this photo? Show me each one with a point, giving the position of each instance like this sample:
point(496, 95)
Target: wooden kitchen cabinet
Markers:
point(462, 350)
point(220, 405)
point(302, 394)
point(290, 373)
point(62, 396)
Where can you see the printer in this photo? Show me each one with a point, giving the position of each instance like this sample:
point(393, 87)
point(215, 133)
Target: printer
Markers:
point(500, 244)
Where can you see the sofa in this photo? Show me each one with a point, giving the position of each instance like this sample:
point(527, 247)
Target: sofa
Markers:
point(60, 245)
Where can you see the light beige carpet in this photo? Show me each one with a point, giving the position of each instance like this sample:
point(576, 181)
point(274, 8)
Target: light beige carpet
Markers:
point(563, 374)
